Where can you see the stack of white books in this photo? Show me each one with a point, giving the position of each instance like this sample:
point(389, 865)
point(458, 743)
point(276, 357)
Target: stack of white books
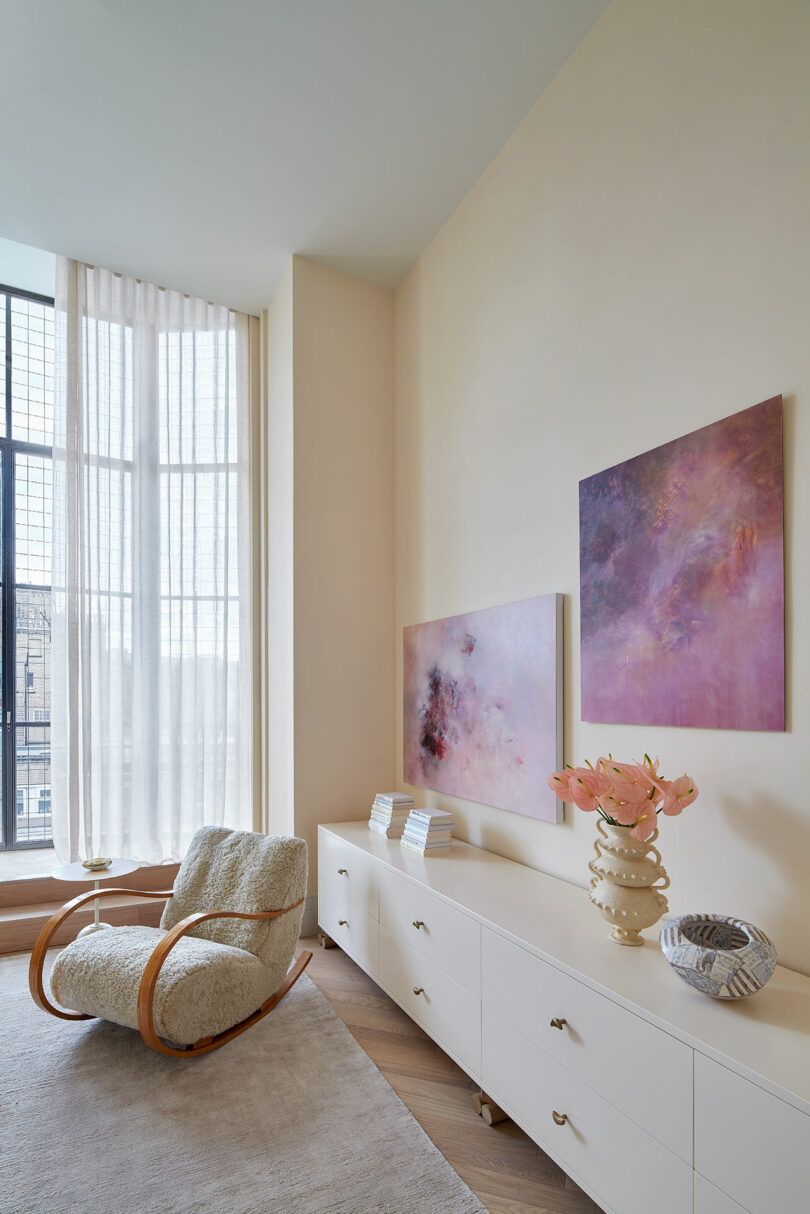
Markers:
point(389, 813)
point(427, 831)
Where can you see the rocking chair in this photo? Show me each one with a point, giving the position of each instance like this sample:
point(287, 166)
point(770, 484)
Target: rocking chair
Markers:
point(206, 974)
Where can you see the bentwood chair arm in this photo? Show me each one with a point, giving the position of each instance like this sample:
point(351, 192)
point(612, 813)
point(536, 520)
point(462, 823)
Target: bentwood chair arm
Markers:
point(146, 991)
point(52, 926)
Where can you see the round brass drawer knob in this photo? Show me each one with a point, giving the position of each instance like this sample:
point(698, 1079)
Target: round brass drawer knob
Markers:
point(343, 872)
point(558, 1022)
point(418, 990)
point(559, 1118)
point(418, 923)
point(343, 922)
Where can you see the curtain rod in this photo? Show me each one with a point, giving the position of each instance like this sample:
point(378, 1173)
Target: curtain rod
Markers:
point(118, 274)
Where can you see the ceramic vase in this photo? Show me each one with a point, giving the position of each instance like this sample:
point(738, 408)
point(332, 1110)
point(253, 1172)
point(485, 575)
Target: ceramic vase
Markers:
point(627, 879)
point(723, 957)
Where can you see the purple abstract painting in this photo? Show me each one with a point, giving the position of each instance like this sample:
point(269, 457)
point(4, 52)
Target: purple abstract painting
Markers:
point(483, 705)
point(682, 581)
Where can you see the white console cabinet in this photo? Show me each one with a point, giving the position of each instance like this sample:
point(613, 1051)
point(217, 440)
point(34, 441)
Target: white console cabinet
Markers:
point(654, 1098)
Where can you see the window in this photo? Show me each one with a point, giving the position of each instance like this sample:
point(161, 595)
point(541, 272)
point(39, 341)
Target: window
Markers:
point(26, 436)
point(151, 581)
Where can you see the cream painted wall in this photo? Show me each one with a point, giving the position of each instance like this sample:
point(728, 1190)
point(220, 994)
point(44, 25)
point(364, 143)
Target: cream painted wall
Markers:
point(343, 349)
point(633, 265)
point(277, 622)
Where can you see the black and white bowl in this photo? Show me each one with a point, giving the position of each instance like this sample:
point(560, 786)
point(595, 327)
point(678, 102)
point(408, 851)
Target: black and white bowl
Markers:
point(723, 957)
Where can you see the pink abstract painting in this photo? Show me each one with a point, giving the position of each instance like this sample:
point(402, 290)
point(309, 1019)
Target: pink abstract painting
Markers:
point(483, 705)
point(682, 581)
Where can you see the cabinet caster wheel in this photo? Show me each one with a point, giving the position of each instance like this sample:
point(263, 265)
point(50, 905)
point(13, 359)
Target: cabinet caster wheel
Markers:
point(326, 941)
point(491, 1113)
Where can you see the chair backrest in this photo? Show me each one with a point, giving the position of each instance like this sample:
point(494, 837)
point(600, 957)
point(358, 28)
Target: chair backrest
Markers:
point(236, 870)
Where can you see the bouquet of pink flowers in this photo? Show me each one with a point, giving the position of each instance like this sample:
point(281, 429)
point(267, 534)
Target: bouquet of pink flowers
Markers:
point(625, 794)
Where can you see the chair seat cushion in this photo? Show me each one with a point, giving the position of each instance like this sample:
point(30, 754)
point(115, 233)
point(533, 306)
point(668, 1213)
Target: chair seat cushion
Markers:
point(203, 988)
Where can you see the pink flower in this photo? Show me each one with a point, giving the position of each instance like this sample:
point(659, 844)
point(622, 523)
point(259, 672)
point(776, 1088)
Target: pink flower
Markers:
point(627, 794)
point(559, 783)
point(584, 789)
point(623, 812)
point(587, 786)
point(632, 781)
point(678, 794)
point(580, 785)
point(645, 825)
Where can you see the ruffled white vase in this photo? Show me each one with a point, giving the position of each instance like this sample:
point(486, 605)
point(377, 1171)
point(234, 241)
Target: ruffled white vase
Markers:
point(627, 879)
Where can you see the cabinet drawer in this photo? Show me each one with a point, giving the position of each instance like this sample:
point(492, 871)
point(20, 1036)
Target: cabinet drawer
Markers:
point(444, 1009)
point(620, 1163)
point(638, 1068)
point(709, 1200)
point(356, 933)
point(753, 1146)
point(444, 936)
point(346, 873)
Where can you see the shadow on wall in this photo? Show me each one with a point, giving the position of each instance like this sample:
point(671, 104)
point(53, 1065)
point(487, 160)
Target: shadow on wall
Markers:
point(495, 837)
point(774, 829)
point(789, 472)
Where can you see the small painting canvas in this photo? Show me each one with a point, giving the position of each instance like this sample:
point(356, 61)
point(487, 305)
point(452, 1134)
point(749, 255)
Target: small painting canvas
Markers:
point(483, 705)
point(682, 581)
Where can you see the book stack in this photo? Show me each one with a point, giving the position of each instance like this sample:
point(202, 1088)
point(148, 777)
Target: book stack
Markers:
point(389, 813)
point(427, 831)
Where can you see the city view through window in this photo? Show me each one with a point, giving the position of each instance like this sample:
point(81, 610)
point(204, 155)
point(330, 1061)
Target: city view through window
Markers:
point(26, 437)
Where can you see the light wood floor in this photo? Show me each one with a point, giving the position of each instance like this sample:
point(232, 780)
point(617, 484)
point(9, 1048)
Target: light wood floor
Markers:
point(503, 1167)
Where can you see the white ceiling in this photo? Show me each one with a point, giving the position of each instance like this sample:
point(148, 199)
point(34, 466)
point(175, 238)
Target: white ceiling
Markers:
point(198, 143)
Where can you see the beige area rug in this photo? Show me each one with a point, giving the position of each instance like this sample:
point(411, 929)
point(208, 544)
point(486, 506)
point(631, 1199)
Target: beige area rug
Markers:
point(290, 1118)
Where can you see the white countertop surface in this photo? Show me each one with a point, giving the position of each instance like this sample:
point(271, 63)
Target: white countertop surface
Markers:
point(765, 1037)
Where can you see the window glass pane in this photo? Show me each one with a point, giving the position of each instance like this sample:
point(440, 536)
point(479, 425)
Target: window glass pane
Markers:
point(30, 341)
point(198, 542)
point(108, 527)
point(112, 629)
point(195, 629)
point(197, 392)
point(33, 518)
point(32, 695)
point(31, 371)
point(33, 809)
point(32, 628)
point(2, 365)
point(108, 389)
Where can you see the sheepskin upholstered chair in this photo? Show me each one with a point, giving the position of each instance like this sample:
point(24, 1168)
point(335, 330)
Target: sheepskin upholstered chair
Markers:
point(219, 960)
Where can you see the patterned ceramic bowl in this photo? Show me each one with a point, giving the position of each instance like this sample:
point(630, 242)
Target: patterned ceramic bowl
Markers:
point(725, 958)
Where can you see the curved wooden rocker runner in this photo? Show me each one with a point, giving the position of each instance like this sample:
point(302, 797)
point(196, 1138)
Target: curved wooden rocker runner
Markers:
point(146, 991)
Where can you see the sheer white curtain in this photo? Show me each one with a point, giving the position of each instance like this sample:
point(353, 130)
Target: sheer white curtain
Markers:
point(152, 684)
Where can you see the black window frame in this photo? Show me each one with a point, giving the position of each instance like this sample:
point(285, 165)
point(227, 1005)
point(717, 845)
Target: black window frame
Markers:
point(9, 449)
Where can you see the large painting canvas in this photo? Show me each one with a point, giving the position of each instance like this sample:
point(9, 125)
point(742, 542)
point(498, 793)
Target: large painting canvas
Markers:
point(682, 581)
point(483, 705)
